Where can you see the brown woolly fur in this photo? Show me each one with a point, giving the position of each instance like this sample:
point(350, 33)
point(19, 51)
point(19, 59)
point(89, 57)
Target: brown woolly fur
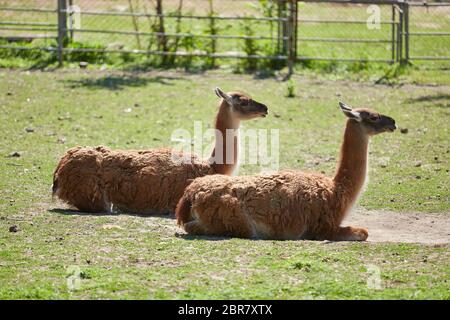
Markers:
point(95, 179)
point(146, 182)
point(288, 204)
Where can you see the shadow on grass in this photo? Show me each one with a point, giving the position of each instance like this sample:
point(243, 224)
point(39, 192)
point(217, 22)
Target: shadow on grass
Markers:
point(208, 238)
point(120, 82)
point(47, 64)
point(440, 100)
point(71, 212)
point(190, 237)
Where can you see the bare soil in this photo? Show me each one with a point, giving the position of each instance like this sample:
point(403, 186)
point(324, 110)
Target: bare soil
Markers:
point(388, 226)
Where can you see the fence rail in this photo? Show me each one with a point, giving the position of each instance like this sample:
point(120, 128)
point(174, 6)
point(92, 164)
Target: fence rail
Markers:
point(28, 9)
point(322, 30)
point(142, 14)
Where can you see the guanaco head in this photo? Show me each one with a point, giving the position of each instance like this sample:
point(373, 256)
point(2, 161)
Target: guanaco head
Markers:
point(371, 121)
point(242, 105)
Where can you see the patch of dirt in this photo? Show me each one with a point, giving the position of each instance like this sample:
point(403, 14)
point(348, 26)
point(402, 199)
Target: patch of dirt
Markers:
point(388, 226)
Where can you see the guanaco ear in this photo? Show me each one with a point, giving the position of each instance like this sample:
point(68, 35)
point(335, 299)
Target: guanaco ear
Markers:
point(347, 110)
point(223, 95)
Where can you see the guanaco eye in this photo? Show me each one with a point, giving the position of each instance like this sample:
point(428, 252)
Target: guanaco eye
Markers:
point(374, 118)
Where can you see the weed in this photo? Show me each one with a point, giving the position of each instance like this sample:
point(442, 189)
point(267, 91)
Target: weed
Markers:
point(290, 88)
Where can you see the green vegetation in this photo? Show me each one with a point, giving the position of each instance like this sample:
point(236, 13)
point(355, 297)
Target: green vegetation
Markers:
point(290, 88)
point(140, 258)
point(123, 256)
point(422, 20)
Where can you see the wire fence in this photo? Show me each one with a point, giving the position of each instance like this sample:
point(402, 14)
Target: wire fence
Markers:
point(429, 31)
point(283, 31)
point(346, 32)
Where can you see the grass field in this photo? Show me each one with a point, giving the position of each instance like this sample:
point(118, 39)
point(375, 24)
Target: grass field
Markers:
point(123, 256)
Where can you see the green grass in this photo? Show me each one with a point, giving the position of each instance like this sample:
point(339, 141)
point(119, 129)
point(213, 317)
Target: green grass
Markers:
point(144, 260)
point(135, 257)
point(421, 20)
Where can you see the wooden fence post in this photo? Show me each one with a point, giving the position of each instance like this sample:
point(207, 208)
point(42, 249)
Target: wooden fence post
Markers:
point(393, 35)
point(406, 10)
point(71, 29)
point(62, 29)
point(400, 34)
point(282, 27)
point(291, 33)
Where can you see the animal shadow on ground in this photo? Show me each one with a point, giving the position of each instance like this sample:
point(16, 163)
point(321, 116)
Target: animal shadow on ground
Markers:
point(171, 216)
point(190, 237)
point(186, 236)
point(440, 100)
point(44, 65)
point(72, 212)
point(120, 82)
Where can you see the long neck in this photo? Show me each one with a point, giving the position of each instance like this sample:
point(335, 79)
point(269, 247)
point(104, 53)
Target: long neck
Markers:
point(352, 168)
point(224, 157)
